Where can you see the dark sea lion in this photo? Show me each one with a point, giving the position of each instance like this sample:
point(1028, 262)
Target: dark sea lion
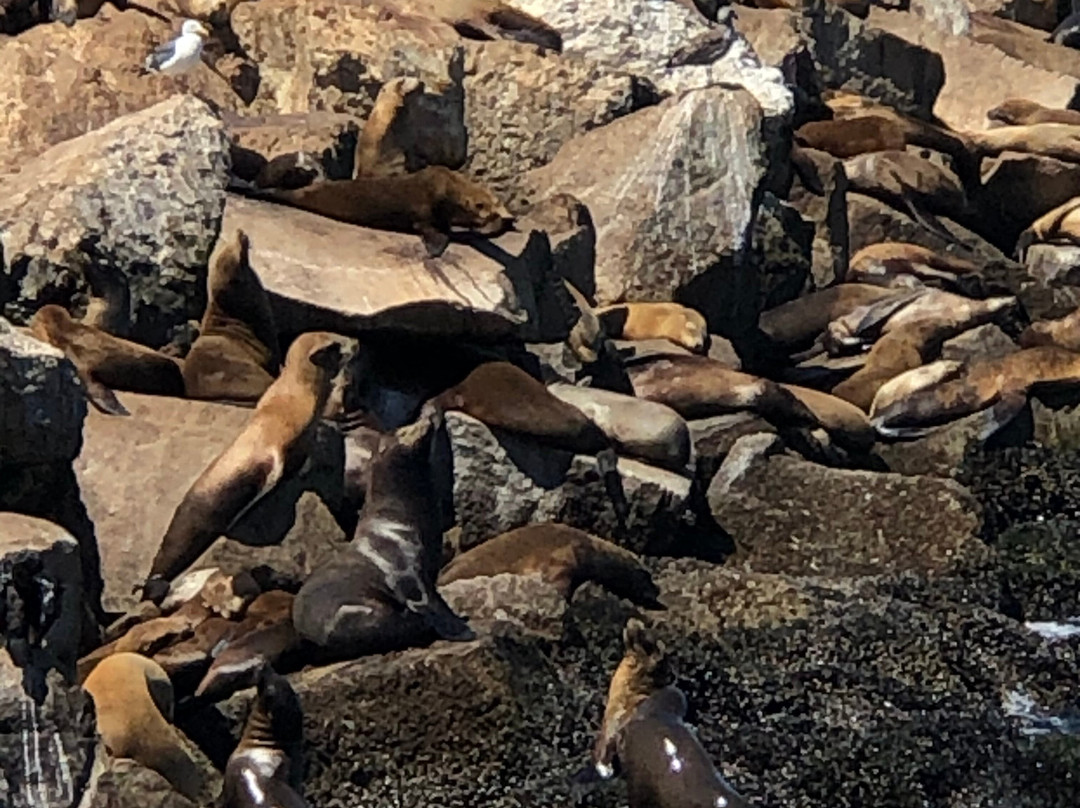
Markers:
point(644, 732)
point(909, 182)
point(564, 556)
point(272, 446)
point(105, 363)
point(265, 769)
point(845, 423)
point(504, 396)
point(1067, 32)
point(429, 202)
point(236, 355)
point(889, 263)
point(671, 321)
point(133, 702)
point(1022, 112)
point(379, 593)
point(800, 321)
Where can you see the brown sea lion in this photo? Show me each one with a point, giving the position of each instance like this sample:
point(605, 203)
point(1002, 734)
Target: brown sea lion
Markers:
point(564, 556)
point(671, 321)
point(1063, 332)
point(504, 396)
point(104, 362)
point(493, 19)
point(845, 423)
point(1022, 112)
point(663, 762)
point(906, 383)
point(133, 701)
point(236, 355)
point(908, 182)
point(378, 149)
point(379, 592)
point(273, 446)
point(1058, 140)
point(264, 771)
point(429, 202)
point(1059, 226)
point(587, 336)
point(889, 262)
point(800, 321)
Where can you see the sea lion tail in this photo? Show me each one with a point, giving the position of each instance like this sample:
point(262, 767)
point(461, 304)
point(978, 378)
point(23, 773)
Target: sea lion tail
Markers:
point(524, 28)
point(444, 622)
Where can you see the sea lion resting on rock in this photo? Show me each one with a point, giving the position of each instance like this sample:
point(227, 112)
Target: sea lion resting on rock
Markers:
point(640, 321)
point(133, 700)
point(492, 19)
point(892, 264)
point(265, 769)
point(798, 322)
point(1001, 384)
point(644, 731)
point(1022, 112)
point(236, 355)
point(428, 202)
point(379, 593)
point(104, 362)
point(1059, 226)
point(272, 446)
point(1058, 140)
point(1063, 332)
point(564, 556)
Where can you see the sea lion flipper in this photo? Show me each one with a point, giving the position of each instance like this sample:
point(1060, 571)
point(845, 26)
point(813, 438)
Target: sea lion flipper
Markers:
point(435, 241)
point(442, 620)
point(103, 398)
point(1001, 413)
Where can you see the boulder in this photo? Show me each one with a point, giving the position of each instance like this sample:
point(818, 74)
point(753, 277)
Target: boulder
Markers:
point(949, 16)
point(141, 196)
point(703, 150)
point(127, 784)
point(265, 148)
point(503, 481)
point(134, 471)
point(982, 342)
point(782, 247)
point(323, 274)
point(1026, 44)
point(1036, 13)
point(828, 212)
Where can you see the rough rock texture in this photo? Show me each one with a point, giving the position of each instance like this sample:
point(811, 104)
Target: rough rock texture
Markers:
point(134, 471)
point(1024, 44)
point(641, 37)
point(324, 140)
point(506, 481)
point(334, 276)
point(141, 196)
point(678, 210)
point(1036, 13)
point(983, 342)
point(126, 784)
point(1054, 268)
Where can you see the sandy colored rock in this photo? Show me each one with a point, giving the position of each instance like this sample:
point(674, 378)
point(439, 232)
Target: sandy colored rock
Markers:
point(140, 197)
point(1040, 14)
point(1026, 44)
point(339, 277)
point(325, 140)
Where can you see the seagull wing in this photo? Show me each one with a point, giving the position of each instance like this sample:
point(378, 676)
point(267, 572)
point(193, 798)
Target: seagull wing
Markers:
point(160, 56)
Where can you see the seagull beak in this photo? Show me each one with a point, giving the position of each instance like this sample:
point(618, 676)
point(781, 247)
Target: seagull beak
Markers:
point(204, 31)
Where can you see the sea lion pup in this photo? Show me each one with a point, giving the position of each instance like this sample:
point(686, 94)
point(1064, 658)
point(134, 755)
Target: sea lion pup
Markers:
point(798, 322)
point(699, 387)
point(1022, 112)
point(1063, 332)
point(1058, 140)
point(1059, 226)
point(888, 262)
point(264, 770)
point(429, 202)
point(564, 556)
point(379, 593)
point(671, 321)
point(504, 396)
point(236, 355)
point(272, 446)
point(643, 429)
point(644, 731)
point(133, 699)
point(1001, 384)
point(104, 362)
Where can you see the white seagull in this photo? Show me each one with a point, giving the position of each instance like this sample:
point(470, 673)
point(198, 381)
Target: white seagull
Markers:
point(183, 53)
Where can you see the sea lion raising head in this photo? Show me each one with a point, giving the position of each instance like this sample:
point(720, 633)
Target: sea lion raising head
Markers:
point(104, 362)
point(272, 446)
point(1022, 112)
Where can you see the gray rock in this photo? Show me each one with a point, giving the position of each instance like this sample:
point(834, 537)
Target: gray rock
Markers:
point(265, 148)
point(141, 196)
point(782, 246)
point(982, 342)
point(828, 212)
point(126, 784)
point(524, 600)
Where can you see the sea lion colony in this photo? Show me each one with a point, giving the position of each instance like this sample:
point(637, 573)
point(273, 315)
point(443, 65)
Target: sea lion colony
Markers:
point(882, 342)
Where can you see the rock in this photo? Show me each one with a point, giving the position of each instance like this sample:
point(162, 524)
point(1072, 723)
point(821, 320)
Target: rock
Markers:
point(525, 600)
point(1023, 43)
point(572, 235)
point(789, 516)
point(1019, 188)
point(325, 140)
point(1057, 424)
point(828, 212)
point(42, 403)
point(982, 342)
point(1036, 13)
point(773, 33)
point(714, 437)
point(65, 82)
point(126, 784)
point(312, 268)
point(950, 16)
point(48, 742)
point(700, 151)
point(141, 196)
point(505, 481)
point(1050, 285)
point(977, 77)
point(134, 471)
point(644, 39)
point(782, 245)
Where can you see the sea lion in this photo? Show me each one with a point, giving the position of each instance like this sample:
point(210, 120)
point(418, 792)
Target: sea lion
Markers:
point(564, 556)
point(587, 336)
point(890, 262)
point(1001, 384)
point(906, 383)
point(845, 423)
point(1022, 112)
point(378, 149)
point(644, 429)
point(264, 770)
point(104, 362)
point(133, 700)
point(1059, 226)
point(492, 19)
point(272, 447)
point(909, 182)
point(671, 321)
point(504, 396)
point(236, 355)
point(429, 202)
point(644, 731)
point(379, 593)
point(798, 322)
point(1067, 32)
point(1063, 332)
point(1058, 140)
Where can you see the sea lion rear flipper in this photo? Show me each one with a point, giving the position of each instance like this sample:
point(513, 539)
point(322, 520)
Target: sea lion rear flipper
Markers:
point(442, 620)
point(877, 314)
point(103, 398)
point(1001, 413)
point(435, 241)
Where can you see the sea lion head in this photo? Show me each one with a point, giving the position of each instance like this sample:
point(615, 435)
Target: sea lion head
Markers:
point(327, 352)
point(475, 207)
point(1013, 111)
point(695, 336)
point(280, 704)
point(49, 322)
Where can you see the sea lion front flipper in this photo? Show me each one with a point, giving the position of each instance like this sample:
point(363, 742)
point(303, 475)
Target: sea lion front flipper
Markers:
point(102, 397)
point(877, 314)
point(281, 795)
point(441, 618)
point(435, 241)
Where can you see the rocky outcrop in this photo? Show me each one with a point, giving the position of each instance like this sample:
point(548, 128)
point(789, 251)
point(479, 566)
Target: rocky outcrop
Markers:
point(267, 150)
point(140, 199)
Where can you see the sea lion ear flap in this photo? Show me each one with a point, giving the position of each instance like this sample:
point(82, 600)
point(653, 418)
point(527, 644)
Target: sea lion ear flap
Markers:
point(245, 243)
